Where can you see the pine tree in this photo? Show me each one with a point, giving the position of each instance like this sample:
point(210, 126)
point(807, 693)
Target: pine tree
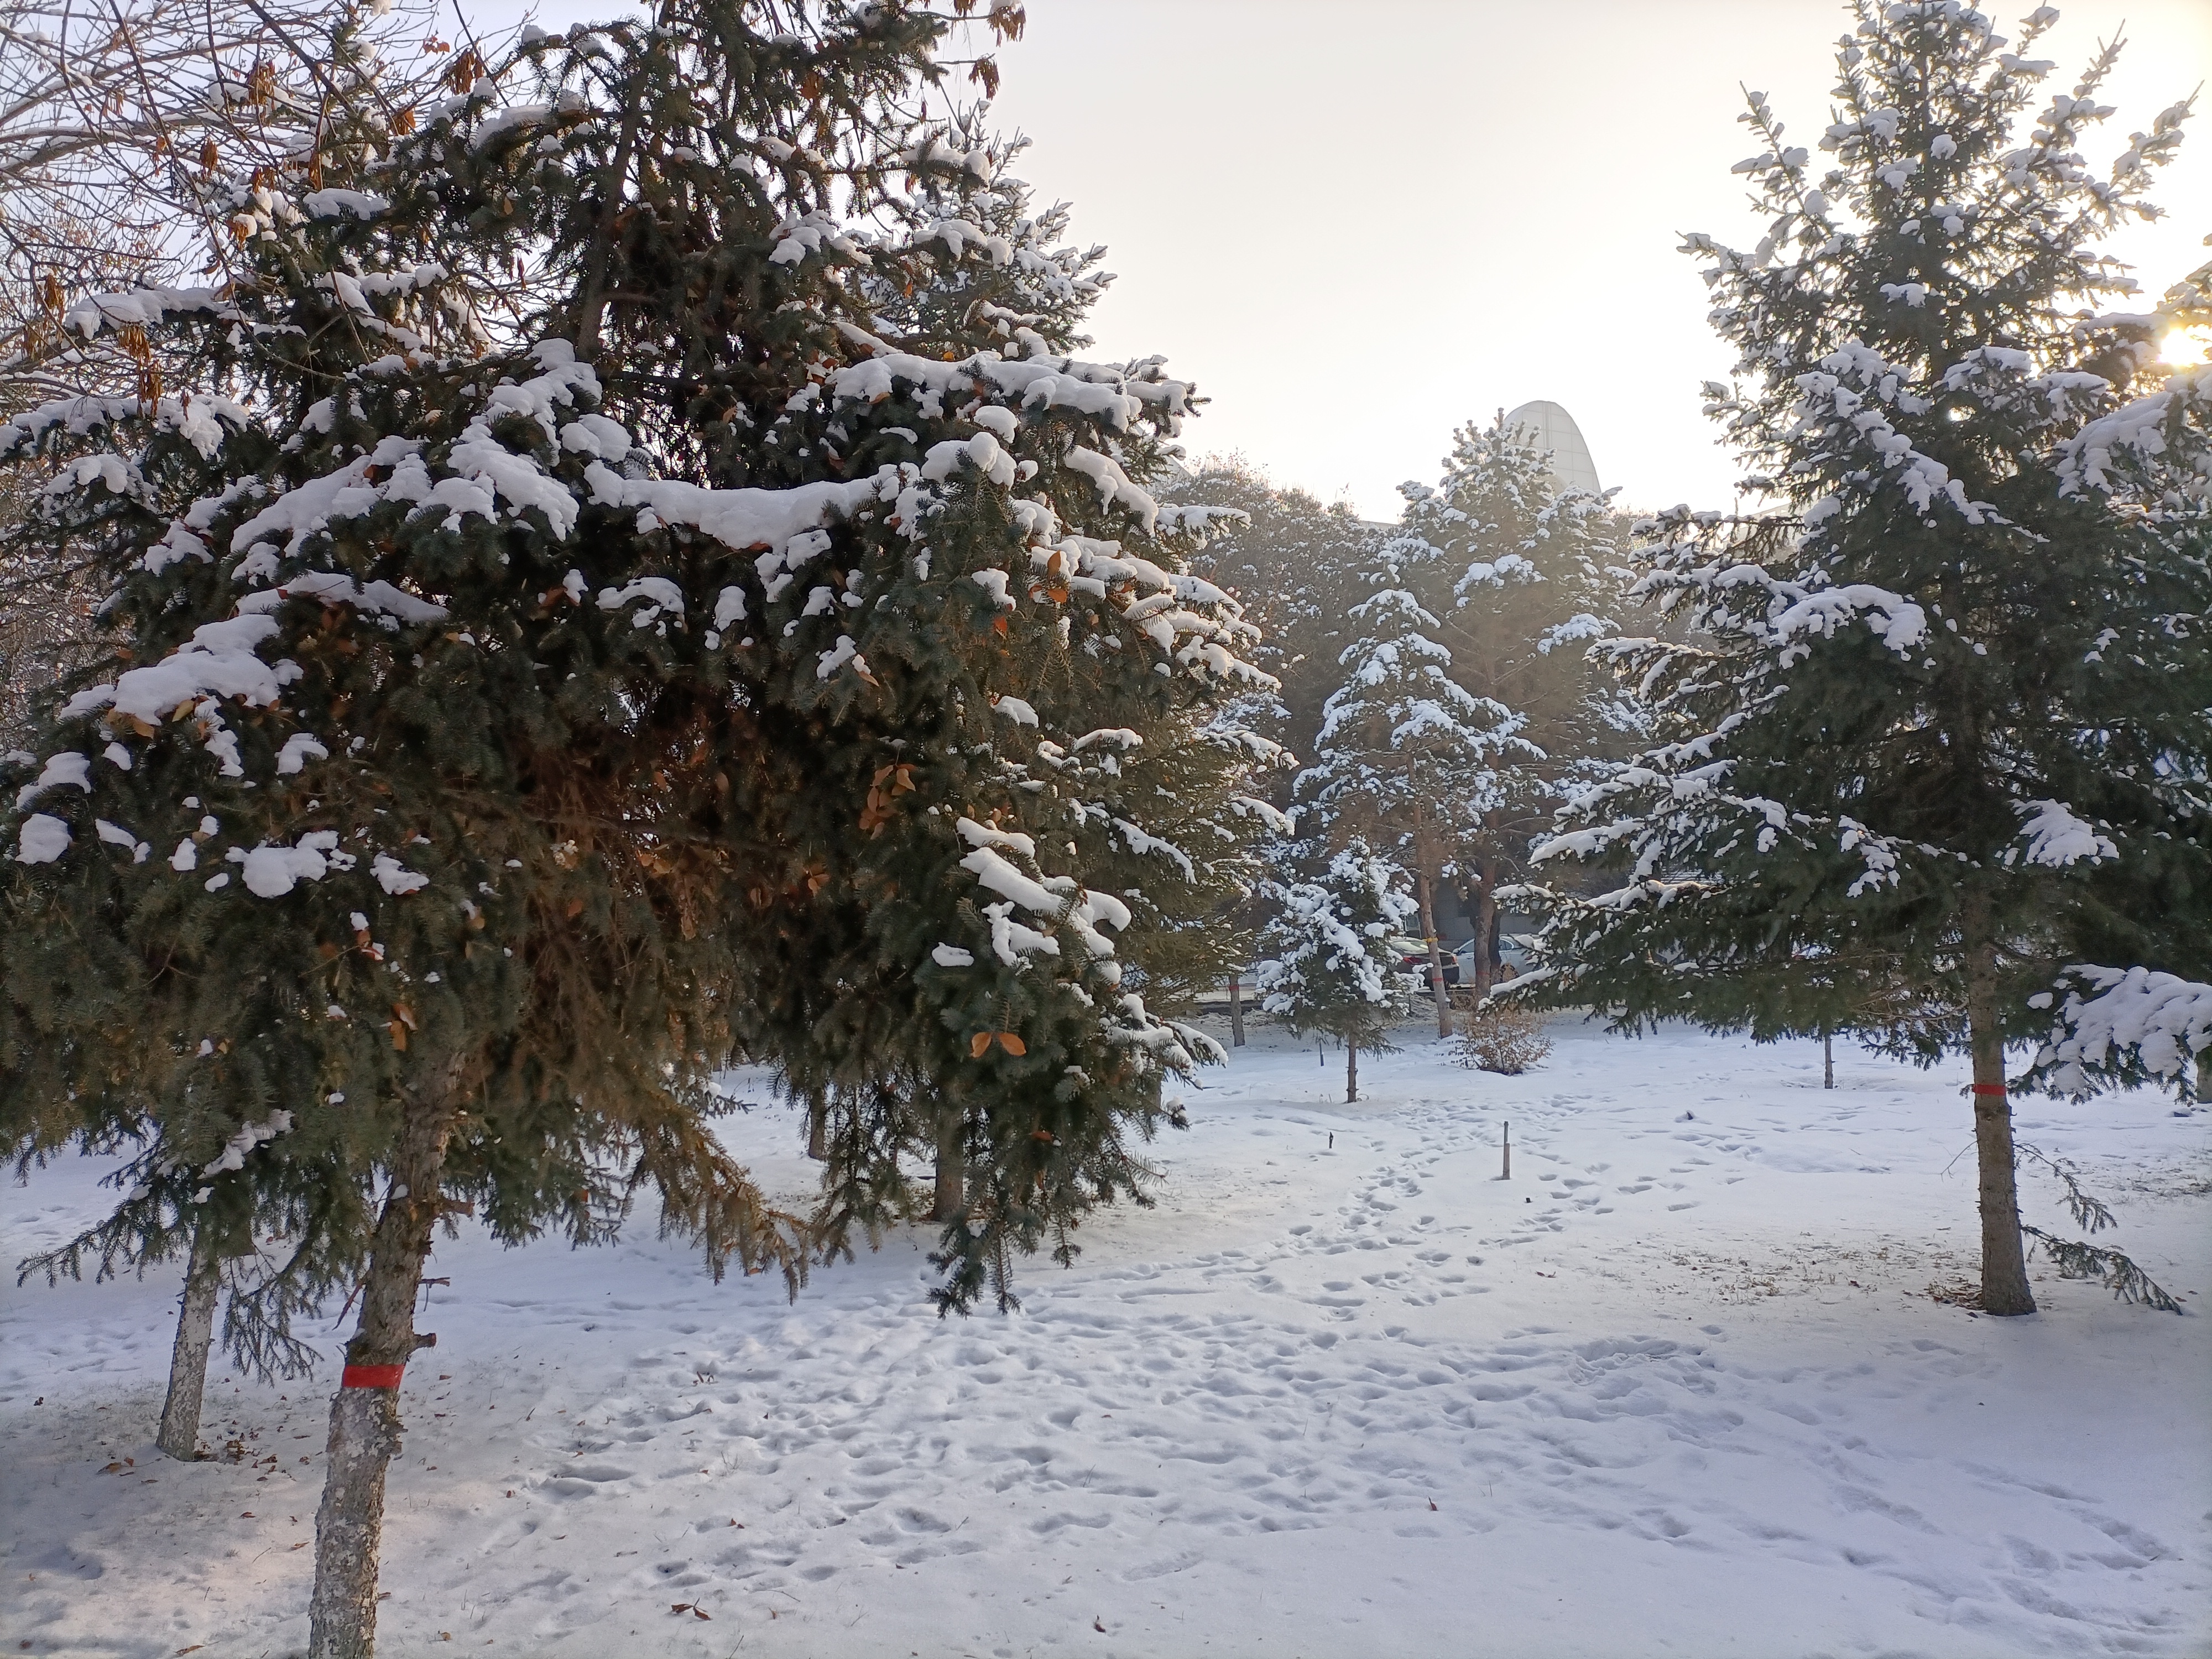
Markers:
point(372, 697)
point(681, 665)
point(972, 584)
point(2150, 1020)
point(1297, 567)
point(1406, 757)
point(1334, 970)
point(1524, 578)
point(1938, 691)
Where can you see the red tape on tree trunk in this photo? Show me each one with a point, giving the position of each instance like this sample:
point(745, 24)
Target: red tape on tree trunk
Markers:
point(371, 1376)
point(1988, 1088)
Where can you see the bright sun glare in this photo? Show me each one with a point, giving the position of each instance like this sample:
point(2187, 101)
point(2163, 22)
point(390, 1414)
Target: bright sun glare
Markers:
point(2185, 348)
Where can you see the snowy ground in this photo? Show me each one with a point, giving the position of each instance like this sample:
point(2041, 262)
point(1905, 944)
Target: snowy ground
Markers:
point(1677, 1387)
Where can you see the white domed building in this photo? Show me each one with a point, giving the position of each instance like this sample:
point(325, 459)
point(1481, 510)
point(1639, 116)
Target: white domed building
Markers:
point(1545, 425)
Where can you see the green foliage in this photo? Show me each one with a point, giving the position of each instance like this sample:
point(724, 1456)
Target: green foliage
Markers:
point(762, 642)
point(1524, 578)
point(1334, 966)
point(2077, 1259)
point(1938, 718)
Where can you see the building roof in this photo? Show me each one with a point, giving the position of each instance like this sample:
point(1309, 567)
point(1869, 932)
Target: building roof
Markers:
point(1549, 427)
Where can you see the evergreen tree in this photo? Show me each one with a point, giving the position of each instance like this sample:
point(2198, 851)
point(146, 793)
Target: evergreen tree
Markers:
point(370, 699)
point(1406, 757)
point(1334, 970)
point(1934, 695)
point(971, 585)
point(2150, 1020)
point(681, 665)
point(1198, 791)
point(1297, 567)
point(1524, 578)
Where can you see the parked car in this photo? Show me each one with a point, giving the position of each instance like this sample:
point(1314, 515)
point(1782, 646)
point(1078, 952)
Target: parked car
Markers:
point(1413, 958)
point(1459, 959)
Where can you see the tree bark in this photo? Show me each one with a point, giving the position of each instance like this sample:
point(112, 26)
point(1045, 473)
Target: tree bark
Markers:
point(1827, 1059)
point(179, 1434)
point(365, 1415)
point(1485, 927)
point(1235, 1011)
point(1427, 892)
point(1351, 1071)
point(817, 1132)
point(951, 1196)
point(2004, 1259)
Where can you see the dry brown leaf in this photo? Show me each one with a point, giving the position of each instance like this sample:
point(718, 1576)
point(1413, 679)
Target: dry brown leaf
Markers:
point(978, 1045)
point(1012, 1044)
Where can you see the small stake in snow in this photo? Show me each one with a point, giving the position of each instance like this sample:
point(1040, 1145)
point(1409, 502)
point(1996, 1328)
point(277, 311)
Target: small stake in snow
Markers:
point(1506, 1173)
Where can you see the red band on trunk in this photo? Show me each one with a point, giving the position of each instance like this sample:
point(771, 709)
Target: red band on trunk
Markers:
point(371, 1376)
point(1988, 1088)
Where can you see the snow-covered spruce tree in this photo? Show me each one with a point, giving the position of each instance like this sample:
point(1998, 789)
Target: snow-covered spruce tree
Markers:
point(71, 379)
point(1297, 567)
point(1941, 687)
point(1523, 577)
point(2151, 1020)
point(1407, 758)
point(882, 682)
point(1199, 792)
point(393, 747)
point(1332, 969)
point(86, 1086)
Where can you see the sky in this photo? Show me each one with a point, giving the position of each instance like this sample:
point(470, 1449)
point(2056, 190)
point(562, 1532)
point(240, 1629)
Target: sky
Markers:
point(1356, 228)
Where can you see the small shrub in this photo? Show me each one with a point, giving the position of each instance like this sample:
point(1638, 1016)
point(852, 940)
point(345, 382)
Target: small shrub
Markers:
point(1500, 1036)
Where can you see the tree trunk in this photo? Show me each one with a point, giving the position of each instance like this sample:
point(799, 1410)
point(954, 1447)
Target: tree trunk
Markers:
point(951, 1166)
point(1235, 1011)
point(2205, 1075)
point(180, 1435)
point(818, 1131)
point(1485, 927)
point(1427, 893)
point(1827, 1059)
point(364, 1416)
point(1351, 1071)
point(2004, 1261)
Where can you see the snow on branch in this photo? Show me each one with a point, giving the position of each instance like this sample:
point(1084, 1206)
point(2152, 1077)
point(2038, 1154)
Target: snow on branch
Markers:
point(2057, 839)
point(2132, 437)
point(1058, 897)
point(145, 307)
point(2117, 1025)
